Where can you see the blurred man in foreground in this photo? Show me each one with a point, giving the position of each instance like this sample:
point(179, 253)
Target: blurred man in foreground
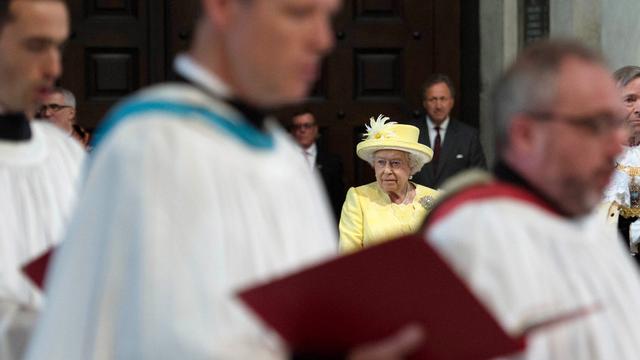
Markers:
point(528, 241)
point(193, 194)
point(39, 164)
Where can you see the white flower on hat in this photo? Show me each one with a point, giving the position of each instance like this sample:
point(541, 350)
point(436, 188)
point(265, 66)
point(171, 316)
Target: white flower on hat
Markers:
point(379, 128)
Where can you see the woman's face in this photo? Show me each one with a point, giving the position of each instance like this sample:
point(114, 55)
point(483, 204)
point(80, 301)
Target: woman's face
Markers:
point(392, 170)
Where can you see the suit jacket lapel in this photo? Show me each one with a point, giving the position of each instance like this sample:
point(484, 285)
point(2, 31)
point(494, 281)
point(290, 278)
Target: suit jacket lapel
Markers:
point(426, 175)
point(320, 159)
point(423, 138)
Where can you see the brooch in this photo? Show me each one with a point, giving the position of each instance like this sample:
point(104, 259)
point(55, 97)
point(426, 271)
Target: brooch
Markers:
point(427, 202)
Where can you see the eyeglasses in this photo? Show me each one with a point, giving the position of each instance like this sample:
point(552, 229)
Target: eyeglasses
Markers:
point(305, 126)
point(53, 107)
point(381, 163)
point(593, 124)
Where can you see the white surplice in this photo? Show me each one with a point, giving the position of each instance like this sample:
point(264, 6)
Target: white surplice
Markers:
point(528, 264)
point(178, 214)
point(39, 180)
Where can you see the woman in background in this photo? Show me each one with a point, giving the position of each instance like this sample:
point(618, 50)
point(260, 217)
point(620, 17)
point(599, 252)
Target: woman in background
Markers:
point(392, 205)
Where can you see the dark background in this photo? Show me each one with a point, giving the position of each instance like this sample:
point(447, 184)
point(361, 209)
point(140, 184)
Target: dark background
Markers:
point(384, 51)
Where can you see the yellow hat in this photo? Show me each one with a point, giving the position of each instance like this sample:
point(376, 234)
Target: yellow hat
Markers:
point(382, 135)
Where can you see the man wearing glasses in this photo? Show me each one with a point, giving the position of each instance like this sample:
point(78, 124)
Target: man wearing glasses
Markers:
point(59, 107)
point(528, 240)
point(304, 129)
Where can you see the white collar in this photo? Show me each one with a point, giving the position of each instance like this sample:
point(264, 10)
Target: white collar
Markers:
point(312, 150)
point(186, 66)
point(443, 126)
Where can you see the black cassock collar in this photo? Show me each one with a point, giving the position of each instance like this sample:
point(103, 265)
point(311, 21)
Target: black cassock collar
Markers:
point(251, 113)
point(14, 127)
point(505, 173)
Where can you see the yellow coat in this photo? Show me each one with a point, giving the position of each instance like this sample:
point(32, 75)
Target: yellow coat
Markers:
point(369, 217)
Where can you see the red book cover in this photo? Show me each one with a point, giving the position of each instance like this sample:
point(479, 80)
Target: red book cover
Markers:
point(36, 269)
point(368, 295)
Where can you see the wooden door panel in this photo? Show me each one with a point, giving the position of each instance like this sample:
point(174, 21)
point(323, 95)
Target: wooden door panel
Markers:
point(109, 53)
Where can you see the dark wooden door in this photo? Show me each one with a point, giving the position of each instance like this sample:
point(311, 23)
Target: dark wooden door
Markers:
point(384, 51)
point(119, 46)
point(115, 47)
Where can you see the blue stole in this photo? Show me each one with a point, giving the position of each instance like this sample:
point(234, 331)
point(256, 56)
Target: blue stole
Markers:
point(241, 130)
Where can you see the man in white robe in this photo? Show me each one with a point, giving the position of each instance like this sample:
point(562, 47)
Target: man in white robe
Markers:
point(624, 209)
point(39, 164)
point(192, 195)
point(527, 241)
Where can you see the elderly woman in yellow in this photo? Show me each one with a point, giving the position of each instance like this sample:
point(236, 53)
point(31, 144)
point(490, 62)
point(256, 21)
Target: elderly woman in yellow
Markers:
point(392, 205)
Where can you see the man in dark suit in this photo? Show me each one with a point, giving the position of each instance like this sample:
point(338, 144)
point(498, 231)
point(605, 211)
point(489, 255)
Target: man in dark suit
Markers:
point(305, 130)
point(456, 146)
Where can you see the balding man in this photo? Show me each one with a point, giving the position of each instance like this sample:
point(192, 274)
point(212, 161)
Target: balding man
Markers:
point(527, 240)
point(59, 108)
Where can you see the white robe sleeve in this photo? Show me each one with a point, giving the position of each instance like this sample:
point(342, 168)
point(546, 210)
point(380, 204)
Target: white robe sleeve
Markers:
point(138, 276)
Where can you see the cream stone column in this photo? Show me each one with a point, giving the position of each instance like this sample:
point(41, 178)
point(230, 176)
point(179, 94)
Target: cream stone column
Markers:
point(611, 26)
point(579, 19)
point(621, 32)
point(498, 47)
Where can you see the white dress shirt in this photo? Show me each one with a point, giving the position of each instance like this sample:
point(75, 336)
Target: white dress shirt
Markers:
point(311, 154)
point(432, 130)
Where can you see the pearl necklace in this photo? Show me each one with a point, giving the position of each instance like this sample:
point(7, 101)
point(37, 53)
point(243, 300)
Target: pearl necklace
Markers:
point(406, 195)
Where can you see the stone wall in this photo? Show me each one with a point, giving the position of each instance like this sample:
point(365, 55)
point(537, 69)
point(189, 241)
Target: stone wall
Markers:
point(611, 26)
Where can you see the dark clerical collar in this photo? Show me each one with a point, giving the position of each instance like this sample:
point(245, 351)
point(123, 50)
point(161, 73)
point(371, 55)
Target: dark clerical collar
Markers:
point(14, 127)
point(251, 113)
point(506, 174)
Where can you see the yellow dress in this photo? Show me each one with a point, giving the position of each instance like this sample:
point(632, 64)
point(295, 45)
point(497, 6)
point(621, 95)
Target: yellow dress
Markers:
point(369, 217)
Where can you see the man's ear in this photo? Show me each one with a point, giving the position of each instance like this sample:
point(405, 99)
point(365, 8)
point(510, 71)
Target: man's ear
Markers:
point(219, 12)
point(73, 114)
point(524, 133)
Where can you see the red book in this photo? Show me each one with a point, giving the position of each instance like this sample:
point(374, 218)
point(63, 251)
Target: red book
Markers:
point(369, 295)
point(36, 269)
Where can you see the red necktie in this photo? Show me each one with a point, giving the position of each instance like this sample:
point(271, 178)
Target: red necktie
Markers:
point(436, 149)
